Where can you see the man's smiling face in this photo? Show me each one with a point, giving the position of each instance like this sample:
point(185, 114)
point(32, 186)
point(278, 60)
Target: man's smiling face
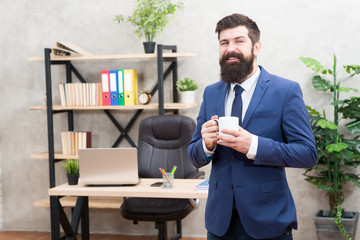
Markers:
point(237, 54)
point(235, 40)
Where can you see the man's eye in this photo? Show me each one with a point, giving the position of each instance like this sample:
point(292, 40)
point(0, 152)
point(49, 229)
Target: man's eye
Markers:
point(223, 43)
point(239, 41)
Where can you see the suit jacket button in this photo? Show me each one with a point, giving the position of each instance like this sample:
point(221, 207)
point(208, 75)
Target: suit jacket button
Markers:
point(231, 187)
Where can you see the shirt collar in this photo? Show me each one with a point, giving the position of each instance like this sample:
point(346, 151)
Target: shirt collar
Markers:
point(248, 83)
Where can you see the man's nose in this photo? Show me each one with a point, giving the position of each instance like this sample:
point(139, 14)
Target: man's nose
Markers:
point(231, 47)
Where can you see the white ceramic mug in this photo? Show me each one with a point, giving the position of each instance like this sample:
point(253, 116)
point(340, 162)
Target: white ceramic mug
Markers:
point(227, 123)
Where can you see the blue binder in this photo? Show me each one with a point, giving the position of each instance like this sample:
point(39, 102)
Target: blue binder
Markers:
point(114, 99)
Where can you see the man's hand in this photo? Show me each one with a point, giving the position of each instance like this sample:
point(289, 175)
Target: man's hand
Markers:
point(209, 132)
point(240, 142)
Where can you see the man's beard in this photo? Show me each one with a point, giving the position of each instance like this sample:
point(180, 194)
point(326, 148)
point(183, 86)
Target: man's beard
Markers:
point(236, 72)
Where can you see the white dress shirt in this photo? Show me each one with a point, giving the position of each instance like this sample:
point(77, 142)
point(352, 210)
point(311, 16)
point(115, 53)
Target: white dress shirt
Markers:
point(249, 87)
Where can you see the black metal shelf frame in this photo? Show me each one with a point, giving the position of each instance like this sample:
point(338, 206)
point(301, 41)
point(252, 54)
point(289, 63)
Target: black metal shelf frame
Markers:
point(56, 211)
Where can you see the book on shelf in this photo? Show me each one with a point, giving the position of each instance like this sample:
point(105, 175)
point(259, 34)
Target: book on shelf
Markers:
point(68, 48)
point(80, 94)
point(203, 186)
point(72, 141)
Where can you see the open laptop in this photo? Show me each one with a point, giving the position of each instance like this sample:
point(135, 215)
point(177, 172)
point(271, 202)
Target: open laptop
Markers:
point(108, 166)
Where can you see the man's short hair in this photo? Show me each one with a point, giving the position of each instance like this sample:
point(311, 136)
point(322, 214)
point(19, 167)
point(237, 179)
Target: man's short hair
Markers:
point(235, 20)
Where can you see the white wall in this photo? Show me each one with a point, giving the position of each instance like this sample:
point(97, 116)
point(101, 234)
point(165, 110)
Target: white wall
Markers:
point(1, 198)
point(290, 29)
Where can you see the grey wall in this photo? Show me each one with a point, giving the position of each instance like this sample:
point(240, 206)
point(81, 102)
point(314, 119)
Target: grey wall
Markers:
point(290, 29)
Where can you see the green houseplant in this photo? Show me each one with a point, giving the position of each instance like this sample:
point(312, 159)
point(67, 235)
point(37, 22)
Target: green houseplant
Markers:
point(186, 88)
point(72, 171)
point(336, 136)
point(186, 84)
point(150, 17)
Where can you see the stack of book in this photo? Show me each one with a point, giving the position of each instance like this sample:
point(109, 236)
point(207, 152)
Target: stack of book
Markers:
point(204, 186)
point(80, 94)
point(73, 141)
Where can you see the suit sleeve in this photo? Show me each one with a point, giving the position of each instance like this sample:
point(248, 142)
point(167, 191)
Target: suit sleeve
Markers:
point(195, 150)
point(298, 148)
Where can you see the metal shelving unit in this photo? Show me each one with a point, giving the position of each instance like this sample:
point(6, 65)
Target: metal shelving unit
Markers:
point(56, 209)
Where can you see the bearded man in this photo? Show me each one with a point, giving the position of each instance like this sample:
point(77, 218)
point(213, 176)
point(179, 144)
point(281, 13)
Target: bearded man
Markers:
point(249, 197)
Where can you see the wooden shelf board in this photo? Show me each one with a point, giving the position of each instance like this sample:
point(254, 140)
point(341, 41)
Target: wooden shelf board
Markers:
point(94, 202)
point(112, 57)
point(58, 155)
point(152, 106)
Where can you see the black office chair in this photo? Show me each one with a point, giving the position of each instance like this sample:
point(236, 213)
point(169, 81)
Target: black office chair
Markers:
point(162, 143)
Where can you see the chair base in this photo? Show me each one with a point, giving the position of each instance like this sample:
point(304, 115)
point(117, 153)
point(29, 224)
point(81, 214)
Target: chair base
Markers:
point(162, 228)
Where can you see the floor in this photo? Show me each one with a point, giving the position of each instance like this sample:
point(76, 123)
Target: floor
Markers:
point(23, 235)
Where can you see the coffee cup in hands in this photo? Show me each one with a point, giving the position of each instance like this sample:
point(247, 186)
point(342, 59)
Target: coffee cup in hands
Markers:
point(231, 123)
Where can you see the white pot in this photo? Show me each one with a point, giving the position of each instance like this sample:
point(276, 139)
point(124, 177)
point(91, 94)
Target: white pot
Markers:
point(187, 97)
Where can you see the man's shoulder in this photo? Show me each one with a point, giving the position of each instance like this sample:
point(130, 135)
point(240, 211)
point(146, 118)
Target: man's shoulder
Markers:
point(274, 79)
point(216, 86)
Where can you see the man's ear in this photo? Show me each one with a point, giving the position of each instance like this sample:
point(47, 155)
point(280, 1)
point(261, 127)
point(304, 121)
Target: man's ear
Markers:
point(257, 47)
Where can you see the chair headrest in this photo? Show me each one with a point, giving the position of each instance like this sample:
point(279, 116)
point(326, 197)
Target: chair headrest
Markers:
point(155, 130)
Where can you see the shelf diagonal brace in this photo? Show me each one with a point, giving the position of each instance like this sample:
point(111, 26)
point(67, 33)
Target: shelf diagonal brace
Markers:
point(77, 73)
point(78, 213)
point(81, 212)
point(69, 231)
point(120, 128)
point(127, 129)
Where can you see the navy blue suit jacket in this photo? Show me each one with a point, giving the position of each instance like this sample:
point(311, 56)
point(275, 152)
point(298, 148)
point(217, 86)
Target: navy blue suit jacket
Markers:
point(278, 116)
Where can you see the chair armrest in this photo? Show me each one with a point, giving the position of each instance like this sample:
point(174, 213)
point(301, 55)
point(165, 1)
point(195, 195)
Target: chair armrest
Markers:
point(197, 175)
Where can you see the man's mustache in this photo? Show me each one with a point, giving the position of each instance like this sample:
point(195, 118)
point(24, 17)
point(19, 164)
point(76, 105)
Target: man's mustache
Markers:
point(232, 55)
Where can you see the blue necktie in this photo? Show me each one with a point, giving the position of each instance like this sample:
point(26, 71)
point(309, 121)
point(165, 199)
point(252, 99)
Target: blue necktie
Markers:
point(237, 106)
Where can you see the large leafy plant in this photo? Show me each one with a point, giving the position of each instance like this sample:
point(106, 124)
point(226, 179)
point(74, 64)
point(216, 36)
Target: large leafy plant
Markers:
point(150, 17)
point(336, 136)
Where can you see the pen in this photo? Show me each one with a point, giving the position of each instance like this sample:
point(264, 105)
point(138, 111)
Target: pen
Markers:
point(165, 175)
point(173, 170)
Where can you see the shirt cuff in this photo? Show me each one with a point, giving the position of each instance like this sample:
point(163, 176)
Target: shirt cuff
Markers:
point(207, 152)
point(253, 148)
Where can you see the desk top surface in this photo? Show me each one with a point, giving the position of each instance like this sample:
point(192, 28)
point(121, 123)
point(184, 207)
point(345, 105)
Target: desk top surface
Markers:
point(183, 188)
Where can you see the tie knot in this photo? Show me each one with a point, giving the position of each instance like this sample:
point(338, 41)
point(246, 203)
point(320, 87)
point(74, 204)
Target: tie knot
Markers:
point(238, 90)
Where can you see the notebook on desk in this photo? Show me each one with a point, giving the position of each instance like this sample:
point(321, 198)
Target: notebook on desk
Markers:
point(108, 166)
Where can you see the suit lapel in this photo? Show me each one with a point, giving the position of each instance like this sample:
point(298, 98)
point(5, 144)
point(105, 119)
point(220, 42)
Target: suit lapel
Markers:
point(260, 89)
point(220, 101)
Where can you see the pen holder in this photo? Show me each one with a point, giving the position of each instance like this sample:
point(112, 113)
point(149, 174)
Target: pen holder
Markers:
point(168, 180)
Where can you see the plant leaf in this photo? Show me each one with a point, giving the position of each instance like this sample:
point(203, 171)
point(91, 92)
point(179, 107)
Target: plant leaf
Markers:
point(312, 111)
point(354, 68)
point(343, 89)
point(313, 64)
point(326, 124)
point(320, 84)
point(336, 147)
point(354, 127)
point(336, 103)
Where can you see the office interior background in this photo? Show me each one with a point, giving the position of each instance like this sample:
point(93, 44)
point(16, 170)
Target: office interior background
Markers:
point(289, 29)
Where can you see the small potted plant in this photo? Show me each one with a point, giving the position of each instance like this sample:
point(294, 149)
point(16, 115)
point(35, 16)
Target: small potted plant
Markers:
point(186, 88)
point(72, 171)
point(150, 17)
point(337, 139)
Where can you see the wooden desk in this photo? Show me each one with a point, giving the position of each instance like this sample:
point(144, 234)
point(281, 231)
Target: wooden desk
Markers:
point(183, 188)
